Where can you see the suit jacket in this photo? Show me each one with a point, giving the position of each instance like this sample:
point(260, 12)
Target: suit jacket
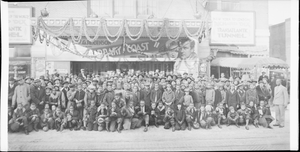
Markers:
point(263, 95)
point(113, 116)
point(158, 93)
point(232, 99)
point(139, 109)
point(92, 113)
point(11, 91)
point(242, 96)
point(179, 115)
point(280, 95)
point(136, 98)
point(88, 97)
point(251, 95)
point(108, 97)
point(145, 95)
point(100, 97)
point(191, 112)
point(74, 116)
point(178, 95)
point(161, 112)
point(19, 113)
point(168, 97)
point(218, 97)
point(37, 95)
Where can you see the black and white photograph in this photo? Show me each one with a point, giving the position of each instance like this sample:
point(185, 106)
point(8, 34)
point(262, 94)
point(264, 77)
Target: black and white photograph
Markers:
point(149, 75)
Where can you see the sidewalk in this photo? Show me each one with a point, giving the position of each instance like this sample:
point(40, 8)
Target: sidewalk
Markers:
point(227, 138)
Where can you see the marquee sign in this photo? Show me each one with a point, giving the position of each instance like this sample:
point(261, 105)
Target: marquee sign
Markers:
point(20, 25)
point(233, 28)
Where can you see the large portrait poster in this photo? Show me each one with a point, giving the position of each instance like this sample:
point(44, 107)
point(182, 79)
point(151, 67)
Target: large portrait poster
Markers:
point(232, 28)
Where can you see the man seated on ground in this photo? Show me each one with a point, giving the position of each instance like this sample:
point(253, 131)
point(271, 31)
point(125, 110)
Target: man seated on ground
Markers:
point(73, 118)
point(265, 117)
point(244, 115)
point(154, 113)
point(33, 117)
point(180, 123)
point(59, 119)
point(169, 119)
point(232, 117)
point(143, 112)
point(115, 119)
point(19, 120)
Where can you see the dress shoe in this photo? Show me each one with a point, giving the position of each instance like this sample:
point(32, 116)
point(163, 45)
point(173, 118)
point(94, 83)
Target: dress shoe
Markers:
point(26, 132)
point(156, 125)
point(276, 125)
point(146, 129)
point(269, 127)
point(237, 126)
point(220, 126)
point(281, 126)
point(247, 128)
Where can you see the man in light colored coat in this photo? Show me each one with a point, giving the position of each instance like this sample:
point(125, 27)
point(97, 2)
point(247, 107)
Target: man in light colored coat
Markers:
point(280, 102)
point(21, 94)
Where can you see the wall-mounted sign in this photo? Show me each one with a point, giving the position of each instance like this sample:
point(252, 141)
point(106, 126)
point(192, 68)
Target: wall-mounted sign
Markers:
point(19, 25)
point(233, 28)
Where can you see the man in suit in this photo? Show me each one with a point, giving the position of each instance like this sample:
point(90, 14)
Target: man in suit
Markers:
point(251, 95)
point(241, 93)
point(232, 97)
point(136, 96)
point(263, 92)
point(21, 94)
point(11, 89)
point(280, 102)
point(145, 95)
point(156, 94)
point(73, 118)
point(143, 112)
point(178, 95)
point(263, 76)
point(37, 94)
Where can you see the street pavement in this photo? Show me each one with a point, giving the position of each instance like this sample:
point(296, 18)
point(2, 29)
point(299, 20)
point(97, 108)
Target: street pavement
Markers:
point(227, 138)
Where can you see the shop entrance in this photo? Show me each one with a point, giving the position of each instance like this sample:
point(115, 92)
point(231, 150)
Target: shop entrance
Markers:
point(103, 67)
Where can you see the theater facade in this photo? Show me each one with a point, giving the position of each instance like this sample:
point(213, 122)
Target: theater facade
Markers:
point(142, 39)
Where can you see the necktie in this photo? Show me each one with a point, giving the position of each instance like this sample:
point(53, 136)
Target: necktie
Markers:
point(155, 96)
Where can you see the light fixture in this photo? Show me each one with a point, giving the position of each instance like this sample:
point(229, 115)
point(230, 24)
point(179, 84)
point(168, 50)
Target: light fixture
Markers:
point(44, 13)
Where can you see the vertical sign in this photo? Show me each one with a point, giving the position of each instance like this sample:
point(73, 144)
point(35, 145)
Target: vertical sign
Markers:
point(232, 28)
point(19, 25)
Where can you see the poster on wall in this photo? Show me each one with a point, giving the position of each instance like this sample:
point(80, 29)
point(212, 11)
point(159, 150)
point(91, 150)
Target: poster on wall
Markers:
point(39, 66)
point(20, 25)
point(232, 28)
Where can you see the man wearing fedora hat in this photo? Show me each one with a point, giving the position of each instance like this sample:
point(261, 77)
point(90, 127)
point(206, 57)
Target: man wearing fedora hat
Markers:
point(232, 97)
point(21, 94)
point(210, 94)
point(37, 94)
point(145, 94)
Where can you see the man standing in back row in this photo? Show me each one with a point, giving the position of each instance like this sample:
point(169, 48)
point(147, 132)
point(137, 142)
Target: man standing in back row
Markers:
point(280, 102)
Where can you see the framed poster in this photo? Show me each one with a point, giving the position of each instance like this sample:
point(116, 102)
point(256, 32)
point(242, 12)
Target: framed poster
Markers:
point(236, 28)
point(19, 23)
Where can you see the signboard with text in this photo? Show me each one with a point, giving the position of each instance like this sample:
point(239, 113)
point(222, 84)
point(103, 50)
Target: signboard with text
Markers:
point(233, 28)
point(19, 25)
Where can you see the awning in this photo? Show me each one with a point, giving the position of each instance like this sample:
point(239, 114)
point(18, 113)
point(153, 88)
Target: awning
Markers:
point(272, 63)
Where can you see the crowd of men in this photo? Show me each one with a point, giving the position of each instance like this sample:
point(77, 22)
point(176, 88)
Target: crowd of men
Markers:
point(119, 102)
